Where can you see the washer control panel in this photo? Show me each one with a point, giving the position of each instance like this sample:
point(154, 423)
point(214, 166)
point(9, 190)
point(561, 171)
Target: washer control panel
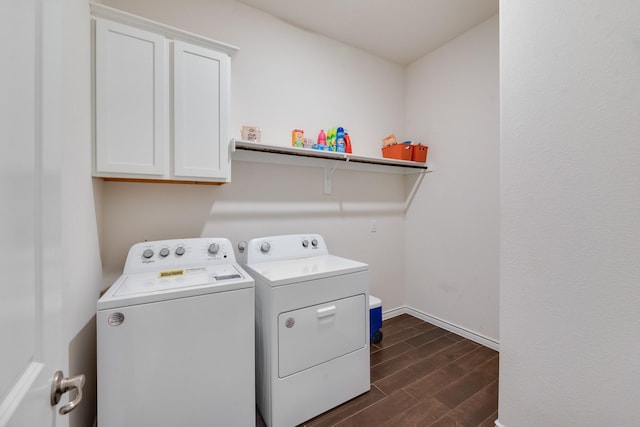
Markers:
point(290, 246)
point(166, 254)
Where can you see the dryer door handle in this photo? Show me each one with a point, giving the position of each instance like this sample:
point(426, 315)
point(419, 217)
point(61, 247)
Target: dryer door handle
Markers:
point(326, 311)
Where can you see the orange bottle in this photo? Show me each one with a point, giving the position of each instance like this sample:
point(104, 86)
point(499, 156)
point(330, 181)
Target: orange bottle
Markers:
point(347, 143)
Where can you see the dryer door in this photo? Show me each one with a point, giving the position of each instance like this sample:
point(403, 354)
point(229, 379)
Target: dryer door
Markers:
point(313, 335)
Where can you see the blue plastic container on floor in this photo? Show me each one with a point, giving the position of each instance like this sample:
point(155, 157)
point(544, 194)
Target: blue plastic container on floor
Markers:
point(375, 319)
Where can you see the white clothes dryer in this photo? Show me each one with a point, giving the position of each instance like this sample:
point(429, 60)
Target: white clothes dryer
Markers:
point(176, 338)
point(312, 327)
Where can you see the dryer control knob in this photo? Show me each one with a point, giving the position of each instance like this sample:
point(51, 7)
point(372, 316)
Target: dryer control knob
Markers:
point(265, 247)
point(179, 251)
point(305, 243)
point(164, 252)
point(214, 248)
point(314, 243)
point(148, 253)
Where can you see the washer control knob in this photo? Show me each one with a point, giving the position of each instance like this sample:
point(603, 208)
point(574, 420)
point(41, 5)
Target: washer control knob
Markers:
point(180, 251)
point(305, 243)
point(265, 247)
point(314, 243)
point(164, 252)
point(214, 248)
point(148, 253)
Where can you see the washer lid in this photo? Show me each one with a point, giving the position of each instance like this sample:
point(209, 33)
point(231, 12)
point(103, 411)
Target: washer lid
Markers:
point(152, 286)
point(285, 272)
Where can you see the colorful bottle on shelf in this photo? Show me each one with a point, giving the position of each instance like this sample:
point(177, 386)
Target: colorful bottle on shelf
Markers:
point(331, 139)
point(340, 146)
point(347, 142)
point(322, 141)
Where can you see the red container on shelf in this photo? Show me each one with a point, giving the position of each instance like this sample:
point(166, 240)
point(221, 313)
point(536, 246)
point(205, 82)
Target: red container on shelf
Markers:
point(397, 151)
point(419, 153)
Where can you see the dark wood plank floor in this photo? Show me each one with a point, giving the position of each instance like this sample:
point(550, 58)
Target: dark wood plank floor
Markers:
point(422, 375)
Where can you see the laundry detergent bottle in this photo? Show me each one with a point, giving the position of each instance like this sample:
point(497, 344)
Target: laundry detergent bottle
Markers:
point(340, 146)
point(322, 140)
point(347, 142)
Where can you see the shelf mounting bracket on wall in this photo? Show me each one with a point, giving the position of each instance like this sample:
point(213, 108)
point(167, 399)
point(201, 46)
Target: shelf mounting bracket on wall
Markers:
point(328, 178)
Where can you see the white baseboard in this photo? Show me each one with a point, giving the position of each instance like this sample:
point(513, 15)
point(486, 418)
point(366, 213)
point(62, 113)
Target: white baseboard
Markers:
point(388, 314)
point(499, 424)
point(458, 330)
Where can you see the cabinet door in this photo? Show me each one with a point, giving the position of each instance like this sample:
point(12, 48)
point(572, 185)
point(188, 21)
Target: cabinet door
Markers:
point(131, 101)
point(201, 92)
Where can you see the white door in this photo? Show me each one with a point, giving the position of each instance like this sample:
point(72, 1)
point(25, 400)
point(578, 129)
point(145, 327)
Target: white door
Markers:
point(30, 311)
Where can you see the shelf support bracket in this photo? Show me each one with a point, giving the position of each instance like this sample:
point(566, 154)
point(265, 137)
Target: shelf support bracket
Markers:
point(328, 178)
point(417, 179)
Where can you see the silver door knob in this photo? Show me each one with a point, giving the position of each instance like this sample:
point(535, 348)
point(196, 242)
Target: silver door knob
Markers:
point(61, 385)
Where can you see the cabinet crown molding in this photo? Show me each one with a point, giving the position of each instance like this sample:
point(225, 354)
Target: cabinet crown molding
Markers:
point(102, 11)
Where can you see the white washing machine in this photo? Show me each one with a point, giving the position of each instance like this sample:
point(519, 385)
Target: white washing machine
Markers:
point(176, 338)
point(312, 327)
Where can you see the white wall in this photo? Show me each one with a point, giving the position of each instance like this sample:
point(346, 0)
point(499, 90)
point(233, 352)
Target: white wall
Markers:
point(570, 197)
point(452, 226)
point(252, 206)
point(282, 78)
point(81, 270)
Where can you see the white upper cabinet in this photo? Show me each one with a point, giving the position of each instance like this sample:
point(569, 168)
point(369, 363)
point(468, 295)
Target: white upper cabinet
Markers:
point(161, 101)
point(200, 112)
point(131, 101)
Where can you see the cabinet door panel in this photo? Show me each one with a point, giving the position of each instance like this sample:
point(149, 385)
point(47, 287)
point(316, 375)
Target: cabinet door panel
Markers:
point(201, 85)
point(130, 100)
